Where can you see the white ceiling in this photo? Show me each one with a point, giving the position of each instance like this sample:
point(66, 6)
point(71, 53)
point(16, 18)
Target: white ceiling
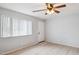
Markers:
point(27, 8)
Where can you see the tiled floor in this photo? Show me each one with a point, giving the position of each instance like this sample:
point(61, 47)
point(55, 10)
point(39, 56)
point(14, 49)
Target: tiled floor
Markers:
point(48, 49)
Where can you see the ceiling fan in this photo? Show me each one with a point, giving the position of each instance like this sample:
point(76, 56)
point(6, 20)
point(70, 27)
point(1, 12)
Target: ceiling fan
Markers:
point(51, 8)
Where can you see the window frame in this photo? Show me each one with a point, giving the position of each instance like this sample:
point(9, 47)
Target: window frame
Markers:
point(11, 28)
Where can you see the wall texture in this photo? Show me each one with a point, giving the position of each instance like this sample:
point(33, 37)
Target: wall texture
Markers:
point(10, 43)
point(63, 29)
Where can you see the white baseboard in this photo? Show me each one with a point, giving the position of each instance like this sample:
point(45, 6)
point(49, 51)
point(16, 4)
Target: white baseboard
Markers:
point(17, 49)
point(14, 50)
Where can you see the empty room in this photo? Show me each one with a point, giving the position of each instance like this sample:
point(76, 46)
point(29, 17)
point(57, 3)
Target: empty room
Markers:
point(39, 29)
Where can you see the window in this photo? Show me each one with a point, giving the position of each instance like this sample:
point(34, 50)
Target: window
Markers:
point(15, 27)
point(5, 26)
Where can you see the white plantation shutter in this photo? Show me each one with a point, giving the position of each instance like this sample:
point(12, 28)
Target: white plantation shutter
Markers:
point(20, 27)
point(5, 26)
point(23, 27)
point(29, 26)
point(15, 27)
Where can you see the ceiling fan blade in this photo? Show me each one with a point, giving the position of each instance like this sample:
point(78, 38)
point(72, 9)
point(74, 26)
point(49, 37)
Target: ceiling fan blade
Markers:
point(51, 5)
point(56, 11)
point(60, 6)
point(39, 10)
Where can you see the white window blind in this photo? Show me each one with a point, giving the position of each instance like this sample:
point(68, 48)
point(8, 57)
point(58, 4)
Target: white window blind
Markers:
point(5, 26)
point(15, 27)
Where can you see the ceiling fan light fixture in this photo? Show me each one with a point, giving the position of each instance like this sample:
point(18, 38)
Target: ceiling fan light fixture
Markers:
point(51, 8)
point(50, 12)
